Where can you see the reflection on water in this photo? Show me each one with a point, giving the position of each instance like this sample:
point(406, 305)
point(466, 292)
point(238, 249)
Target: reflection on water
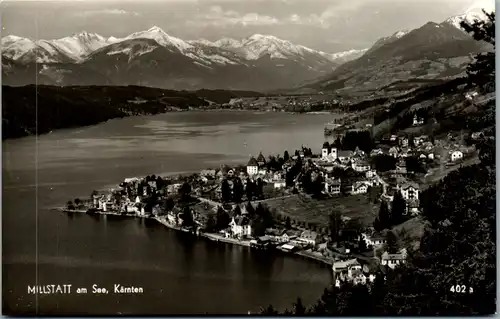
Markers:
point(180, 274)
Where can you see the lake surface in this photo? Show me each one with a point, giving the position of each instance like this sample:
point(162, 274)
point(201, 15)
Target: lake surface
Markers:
point(179, 274)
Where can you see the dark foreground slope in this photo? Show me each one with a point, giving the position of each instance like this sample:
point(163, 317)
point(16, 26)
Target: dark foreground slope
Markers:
point(34, 109)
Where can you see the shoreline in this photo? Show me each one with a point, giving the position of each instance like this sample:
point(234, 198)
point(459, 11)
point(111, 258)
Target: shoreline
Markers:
point(208, 236)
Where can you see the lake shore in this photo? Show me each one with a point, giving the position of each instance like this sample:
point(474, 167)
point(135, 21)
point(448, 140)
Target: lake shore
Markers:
point(210, 236)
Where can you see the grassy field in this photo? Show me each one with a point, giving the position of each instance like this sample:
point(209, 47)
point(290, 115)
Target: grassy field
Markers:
point(410, 232)
point(317, 212)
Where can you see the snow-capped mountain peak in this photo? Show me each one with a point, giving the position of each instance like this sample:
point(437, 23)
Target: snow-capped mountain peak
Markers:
point(160, 36)
point(400, 33)
point(228, 43)
point(202, 42)
point(470, 17)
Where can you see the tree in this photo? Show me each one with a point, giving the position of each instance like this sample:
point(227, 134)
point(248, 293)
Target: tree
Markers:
point(268, 311)
point(237, 190)
point(225, 191)
point(250, 189)
point(187, 217)
point(392, 242)
point(286, 156)
point(414, 165)
point(384, 216)
point(481, 72)
point(77, 201)
point(259, 188)
point(288, 223)
point(222, 219)
point(70, 206)
point(185, 191)
point(398, 209)
point(384, 163)
point(169, 204)
point(335, 225)
point(362, 244)
point(250, 210)
point(211, 223)
point(259, 210)
point(298, 308)
point(317, 186)
point(237, 210)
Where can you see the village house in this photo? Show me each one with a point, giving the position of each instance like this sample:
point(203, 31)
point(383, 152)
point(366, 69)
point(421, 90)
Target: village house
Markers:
point(409, 190)
point(471, 95)
point(328, 153)
point(309, 237)
point(261, 160)
point(344, 156)
point(371, 173)
point(456, 155)
point(393, 151)
point(417, 120)
point(290, 236)
point(332, 186)
point(140, 210)
point(279, 184)
point(393, 260)
point(477, 135)
point(375, 240)
point(173, 188)
point(358, 153)
point(358, 274)
point(240, 227)
point(252, 166)
point(208, 173)
point(360, 166)
point(359, 188)
point(376, 151)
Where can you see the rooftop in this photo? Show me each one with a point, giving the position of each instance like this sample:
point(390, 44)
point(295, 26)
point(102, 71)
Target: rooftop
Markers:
point(252, 162)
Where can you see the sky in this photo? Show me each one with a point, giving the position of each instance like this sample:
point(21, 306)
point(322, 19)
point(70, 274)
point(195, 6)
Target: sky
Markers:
point(328, 25)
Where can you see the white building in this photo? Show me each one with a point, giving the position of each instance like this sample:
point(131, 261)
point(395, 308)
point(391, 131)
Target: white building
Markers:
point(240, 226)
point(456, 155)
point(332, 186)
point(371, 173)
point(252, 166)
point(278, 184)
point(410, 191)
point(361, 166)
point(375, 241)
point(309, 237)
point(393, 260)
point(359, 188)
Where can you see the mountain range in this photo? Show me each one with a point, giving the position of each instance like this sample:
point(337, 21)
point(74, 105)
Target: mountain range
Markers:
point(259, 62)
point(155, 58)
point(408, 59)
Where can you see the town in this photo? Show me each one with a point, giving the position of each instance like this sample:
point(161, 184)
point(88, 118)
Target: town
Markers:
point(354, 206)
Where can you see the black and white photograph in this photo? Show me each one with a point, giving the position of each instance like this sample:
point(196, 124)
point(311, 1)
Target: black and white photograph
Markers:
point(248, 158)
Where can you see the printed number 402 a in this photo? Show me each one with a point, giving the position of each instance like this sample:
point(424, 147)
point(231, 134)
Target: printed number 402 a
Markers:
point(461, 289)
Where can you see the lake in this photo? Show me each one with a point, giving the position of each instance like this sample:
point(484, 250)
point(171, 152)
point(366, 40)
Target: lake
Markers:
point(179, 274)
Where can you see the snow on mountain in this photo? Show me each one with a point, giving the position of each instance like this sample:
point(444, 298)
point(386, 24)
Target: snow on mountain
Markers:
point(257, 45)
point(14, 47)
point(162, 38)
point(73, 48)
point(469, 16)
point(202, 42)
point(228, 43)
point(80, 45)
point(344, 56)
